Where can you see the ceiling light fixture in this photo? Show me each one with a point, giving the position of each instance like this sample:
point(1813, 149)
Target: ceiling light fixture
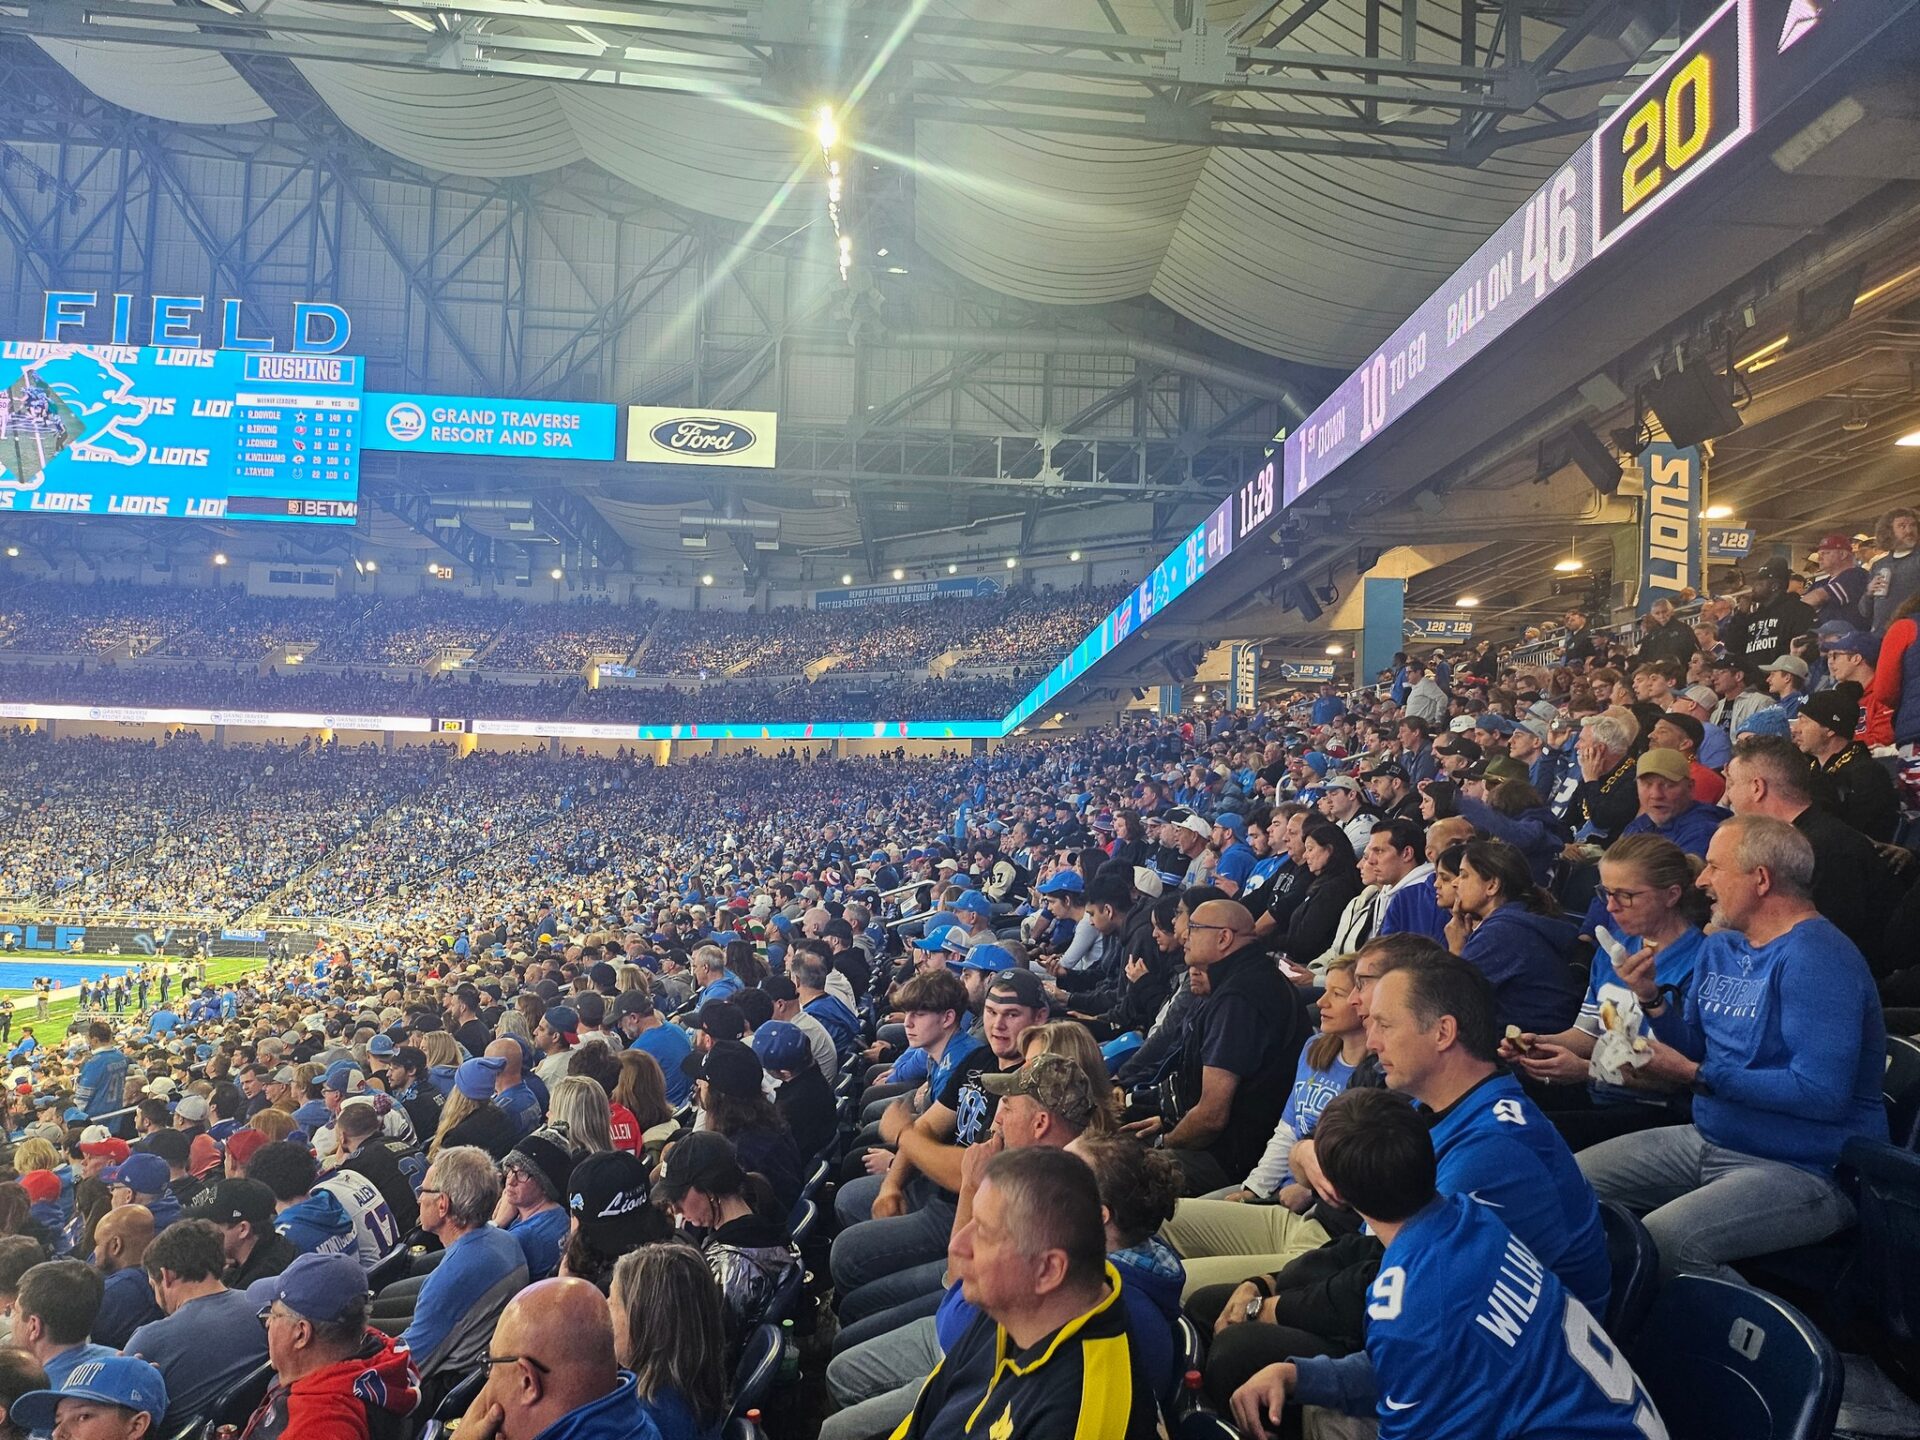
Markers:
point(1336, 649)
point(1466, 602)
point(1911, 442)
point(1716, 512)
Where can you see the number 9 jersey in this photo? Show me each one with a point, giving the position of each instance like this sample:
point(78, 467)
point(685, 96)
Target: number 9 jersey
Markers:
point(1471, 1336)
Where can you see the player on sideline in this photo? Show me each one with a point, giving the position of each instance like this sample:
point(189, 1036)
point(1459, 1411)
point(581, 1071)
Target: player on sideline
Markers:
point(1468, 1334)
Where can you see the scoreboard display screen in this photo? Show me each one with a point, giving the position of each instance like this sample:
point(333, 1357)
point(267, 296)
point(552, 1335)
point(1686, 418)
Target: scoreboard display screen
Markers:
point(179, 432)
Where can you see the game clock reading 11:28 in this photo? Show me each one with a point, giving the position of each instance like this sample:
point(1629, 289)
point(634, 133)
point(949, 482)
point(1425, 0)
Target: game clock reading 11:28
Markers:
point(1692, 110)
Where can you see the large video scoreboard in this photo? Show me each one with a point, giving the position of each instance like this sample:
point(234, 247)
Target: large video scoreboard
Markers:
point(178, 431)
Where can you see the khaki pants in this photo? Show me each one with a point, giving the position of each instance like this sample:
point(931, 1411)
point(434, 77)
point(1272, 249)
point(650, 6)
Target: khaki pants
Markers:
point(1224, 1242)
point(1318, 1424)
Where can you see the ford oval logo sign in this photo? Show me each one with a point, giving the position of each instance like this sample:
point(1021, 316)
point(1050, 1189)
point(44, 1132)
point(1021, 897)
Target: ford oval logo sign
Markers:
point(696, 435)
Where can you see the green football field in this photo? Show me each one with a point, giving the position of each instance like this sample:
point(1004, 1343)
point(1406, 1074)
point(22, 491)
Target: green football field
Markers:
point(61, 1011)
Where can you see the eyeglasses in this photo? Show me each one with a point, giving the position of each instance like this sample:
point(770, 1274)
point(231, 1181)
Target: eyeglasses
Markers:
point(1618, 897)
point(493, 1360)
point(1191, 926)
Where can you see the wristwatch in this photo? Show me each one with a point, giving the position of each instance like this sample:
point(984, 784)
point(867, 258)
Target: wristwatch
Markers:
point(1253, 1307)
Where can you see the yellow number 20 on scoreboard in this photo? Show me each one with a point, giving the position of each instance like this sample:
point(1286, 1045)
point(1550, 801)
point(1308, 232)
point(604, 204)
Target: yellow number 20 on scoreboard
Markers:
point(1684, 117)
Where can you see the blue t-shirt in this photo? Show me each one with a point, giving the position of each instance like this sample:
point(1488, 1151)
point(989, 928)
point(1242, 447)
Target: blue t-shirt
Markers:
point(542, 1237)
point(1495, 1144)
point(67, 1361)
point(1673, 965)
point(1471, 1336)
point(202, 1349)
point(673, 1417)
point(520, 1103)
point(669, 1045)
point(163, 1022)
point(127, 1304)
point(1791, 1042)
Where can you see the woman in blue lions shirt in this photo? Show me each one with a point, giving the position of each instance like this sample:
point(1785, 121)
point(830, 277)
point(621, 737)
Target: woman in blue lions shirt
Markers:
point(1647, 885)
point(667, 1330)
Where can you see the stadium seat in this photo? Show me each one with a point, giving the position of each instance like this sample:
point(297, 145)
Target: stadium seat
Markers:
point(454, 1404)
point(396, 1266)
point(759, 1364)
point(1723, 1362)
point(785, 1304)
point(1189, 1353)
point(1635, 1262)
point(233, 1406)
point(1888, 1272)
point(805, 1213)
point(1901, 1091)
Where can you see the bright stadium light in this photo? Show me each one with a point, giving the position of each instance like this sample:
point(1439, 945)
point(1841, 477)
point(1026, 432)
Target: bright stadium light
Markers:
point(1466, 602)
point(898, 573)
point(1012, 561)
point(219, 557)
point(1336, 649)
point(846, 579)
point(1716, 512)
point(953, 569)
point(557, 573)
point(1073, 556)
point(1569, 565)
point(706, 579)
point(13, 552)
point(825, 129)
point(372, 566)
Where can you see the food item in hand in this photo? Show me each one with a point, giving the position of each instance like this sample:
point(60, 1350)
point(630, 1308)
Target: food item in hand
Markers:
point(1518, 1039)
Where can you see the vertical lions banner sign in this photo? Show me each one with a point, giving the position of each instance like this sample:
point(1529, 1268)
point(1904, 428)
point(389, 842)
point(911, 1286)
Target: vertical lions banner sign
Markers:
point(1676, 491)
point(1246, 676)
point(663, 435)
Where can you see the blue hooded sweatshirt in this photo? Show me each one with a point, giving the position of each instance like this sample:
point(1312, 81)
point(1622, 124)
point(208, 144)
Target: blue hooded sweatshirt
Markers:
point(1525, 956)
point(318, 1225)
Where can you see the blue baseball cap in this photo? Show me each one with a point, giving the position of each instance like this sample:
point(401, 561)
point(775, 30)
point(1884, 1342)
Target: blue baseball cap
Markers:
point(781, 1046)
point(935, 935)
point(474, 1078)
point(112, 1380)
point(973, 903)
point(564, 1020)
point(1064, 882)
point(1228, 820)
point(322, 1288)
point(991, 958)
point(141, 1173)
point(1853, 642)
point(1493, 724)
point(381, 1045)
point(343, 1078)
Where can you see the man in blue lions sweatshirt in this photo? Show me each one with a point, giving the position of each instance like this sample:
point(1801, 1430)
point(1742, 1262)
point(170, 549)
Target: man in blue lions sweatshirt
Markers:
point(1782, 1040)
point(1468, 1333)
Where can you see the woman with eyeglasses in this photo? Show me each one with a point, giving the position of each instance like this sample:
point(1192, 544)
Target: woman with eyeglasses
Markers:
point(1647, 885)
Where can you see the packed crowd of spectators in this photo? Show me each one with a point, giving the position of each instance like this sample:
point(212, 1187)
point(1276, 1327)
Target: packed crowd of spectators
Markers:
point(565, 637)
point(1327, 1027)
point(248, 628)
point(48, 618)
point(416, 629)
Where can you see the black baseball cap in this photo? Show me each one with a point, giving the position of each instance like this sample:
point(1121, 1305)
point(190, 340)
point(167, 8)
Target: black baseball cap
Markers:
point(704, 1160)
point(728, 1066)
point(1022, 987)
point(235, 1200)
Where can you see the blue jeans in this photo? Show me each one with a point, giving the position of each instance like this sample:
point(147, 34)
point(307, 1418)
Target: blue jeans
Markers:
point(886, 1304)
point(1705, 1205)
point(876, 1249)
point(878, 1382)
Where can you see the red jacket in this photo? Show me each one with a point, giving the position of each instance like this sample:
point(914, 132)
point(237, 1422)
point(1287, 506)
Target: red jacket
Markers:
point(332, 1404)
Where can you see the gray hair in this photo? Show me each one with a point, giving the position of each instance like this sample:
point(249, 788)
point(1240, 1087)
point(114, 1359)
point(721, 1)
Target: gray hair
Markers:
point(1779, 763)
point(1761, 843)
point(1607, 731)
point(710, 958)
point(466, 1176)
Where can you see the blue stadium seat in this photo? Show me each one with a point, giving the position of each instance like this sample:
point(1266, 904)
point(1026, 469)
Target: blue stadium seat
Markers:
point(1723, 1362)
point(1888, 1273)
point(1189, 1353)
point(1901, 1091)
point(805, 1213)
point(759, 1364)
point(1635, 1262)
point(785, 1304)
point(454, 1404)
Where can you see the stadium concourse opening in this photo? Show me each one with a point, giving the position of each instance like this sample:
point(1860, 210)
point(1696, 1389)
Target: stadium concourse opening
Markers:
point(699, 740)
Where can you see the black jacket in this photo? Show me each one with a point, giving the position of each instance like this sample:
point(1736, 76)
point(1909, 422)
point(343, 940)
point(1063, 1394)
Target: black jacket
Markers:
point(379, 1161)
point(1311, 928)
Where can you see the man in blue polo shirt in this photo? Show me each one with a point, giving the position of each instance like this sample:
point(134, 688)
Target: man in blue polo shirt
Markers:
point(639, 1023)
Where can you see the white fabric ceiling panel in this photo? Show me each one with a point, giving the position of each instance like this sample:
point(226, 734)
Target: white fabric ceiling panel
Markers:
point(196, 86)
point(736, 164)
point(469, 124)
